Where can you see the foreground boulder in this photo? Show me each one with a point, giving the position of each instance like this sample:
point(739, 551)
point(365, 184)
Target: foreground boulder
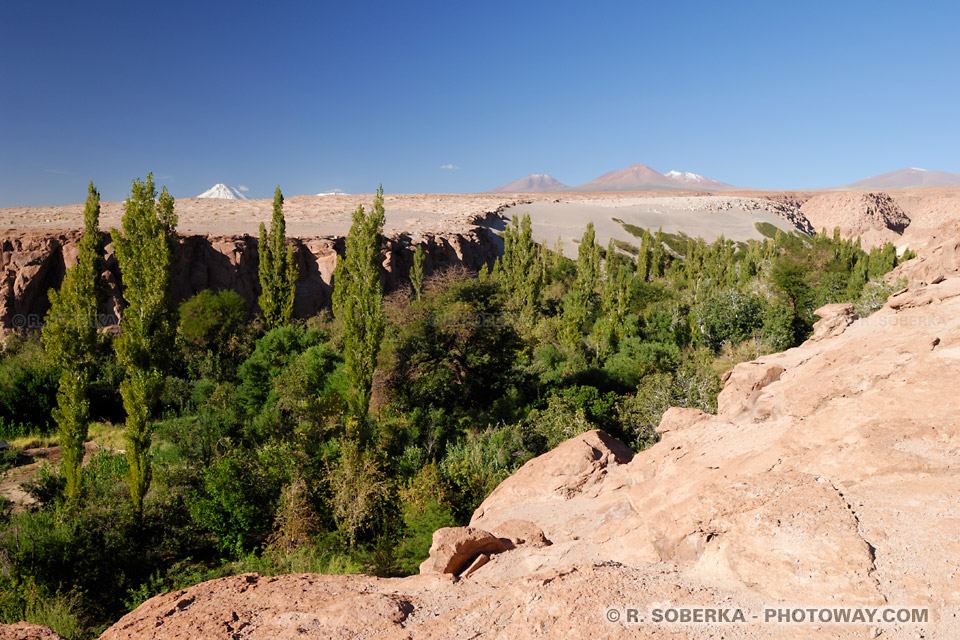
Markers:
point(454, 548)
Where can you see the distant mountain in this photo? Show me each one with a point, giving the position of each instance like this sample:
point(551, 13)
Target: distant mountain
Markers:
point(222, 192)
point(697, 182)
point(904, 179)
point(640, 177)
point(533, 183)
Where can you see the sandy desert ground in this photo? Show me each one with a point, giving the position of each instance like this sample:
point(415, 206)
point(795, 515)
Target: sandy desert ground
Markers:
point(708, 215)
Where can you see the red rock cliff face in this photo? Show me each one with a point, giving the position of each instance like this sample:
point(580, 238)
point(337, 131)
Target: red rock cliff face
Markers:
point(32, 263)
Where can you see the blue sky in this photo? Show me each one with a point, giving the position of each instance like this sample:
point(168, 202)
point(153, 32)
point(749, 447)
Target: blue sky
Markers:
point(315, 96)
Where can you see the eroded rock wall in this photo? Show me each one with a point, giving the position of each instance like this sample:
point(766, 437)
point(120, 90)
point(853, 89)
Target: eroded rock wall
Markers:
point(32, 263)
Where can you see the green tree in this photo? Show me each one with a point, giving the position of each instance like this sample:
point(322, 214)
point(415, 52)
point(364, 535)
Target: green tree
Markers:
point(145, 254)
point(416, 272)
point(615, 302)
point(580, 304)
point(522, 269)
point(70, 339)
point(278, 272)
point(358, 301)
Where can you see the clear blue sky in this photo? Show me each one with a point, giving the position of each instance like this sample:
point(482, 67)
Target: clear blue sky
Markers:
point(316, 95)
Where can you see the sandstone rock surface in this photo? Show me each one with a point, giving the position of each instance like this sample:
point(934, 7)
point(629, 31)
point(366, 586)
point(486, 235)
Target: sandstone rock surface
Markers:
point(455, 548)
point(27, 631)
point(876, 217)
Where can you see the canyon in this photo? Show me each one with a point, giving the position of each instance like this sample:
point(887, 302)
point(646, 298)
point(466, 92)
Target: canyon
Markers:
point(217, 247)
point(827, 478)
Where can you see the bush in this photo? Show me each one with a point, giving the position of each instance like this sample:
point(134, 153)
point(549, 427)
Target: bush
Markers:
point(238, 499)
point(424, 506)
point(636, 359)
point(210, 330)
point(457, 352)
point(476, 463)
point(28, 387)
point(729, 316)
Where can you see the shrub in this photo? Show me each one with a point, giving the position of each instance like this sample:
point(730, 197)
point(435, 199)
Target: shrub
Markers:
point(209, 330)
point(729, 316)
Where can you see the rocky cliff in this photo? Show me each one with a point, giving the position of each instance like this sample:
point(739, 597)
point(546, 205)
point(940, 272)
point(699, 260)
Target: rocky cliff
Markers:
point(33, 262)
point(828, 478)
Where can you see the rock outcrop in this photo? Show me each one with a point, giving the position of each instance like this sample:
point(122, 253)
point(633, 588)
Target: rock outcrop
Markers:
point(31, 263)
point(455, 548)
point(875, 217)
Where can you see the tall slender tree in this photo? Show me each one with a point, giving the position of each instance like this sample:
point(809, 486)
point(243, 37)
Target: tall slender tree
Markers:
point(358, 301)
point(145, 254)
point(580, 304)
point(522, 269)
point(278, 271)
point(70, 338)
point(615, 302)
point(416, 272)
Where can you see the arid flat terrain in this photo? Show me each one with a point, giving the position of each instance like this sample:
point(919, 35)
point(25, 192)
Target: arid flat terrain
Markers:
point(315, 216)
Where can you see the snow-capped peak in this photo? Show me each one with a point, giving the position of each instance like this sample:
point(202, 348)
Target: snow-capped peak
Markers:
point(223, 192)
point(686, 176)
point(916, 169)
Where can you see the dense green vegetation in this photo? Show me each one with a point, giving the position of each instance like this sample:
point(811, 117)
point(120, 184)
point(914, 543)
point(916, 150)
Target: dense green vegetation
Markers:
point(340, 443)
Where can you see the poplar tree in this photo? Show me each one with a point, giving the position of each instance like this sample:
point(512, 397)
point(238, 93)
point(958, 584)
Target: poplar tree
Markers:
point(645, 255)
point(358, 301)
point(416, 272)
point(144, 252)
point(278, 272)
point(615, 302)
point(522, 269)
point(658, 256)
point(580, 304)
point(70, 339)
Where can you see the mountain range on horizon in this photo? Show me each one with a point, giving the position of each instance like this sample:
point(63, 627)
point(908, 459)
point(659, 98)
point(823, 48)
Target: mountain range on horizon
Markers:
point(637, 177)
point(911, 177)
point(640, 177)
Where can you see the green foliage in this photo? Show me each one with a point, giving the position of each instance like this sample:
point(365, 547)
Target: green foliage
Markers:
point(766, 229)
point(637, 358)
point(237, 499)
point(416, 272)
point(70, 340)
point(210, 331)
point(144, 347)
point(28, 388)
point(454, 352)
point(522, 270)
point(358, 301)
point(277, 269)
point(580, 304)
point(729, 316)
point(424, 507)
point(616, 304)
point(359, 489)
point(475, 464)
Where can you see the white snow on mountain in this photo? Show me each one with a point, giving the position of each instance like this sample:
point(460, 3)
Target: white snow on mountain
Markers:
point(686, 176)
point(222, 192)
